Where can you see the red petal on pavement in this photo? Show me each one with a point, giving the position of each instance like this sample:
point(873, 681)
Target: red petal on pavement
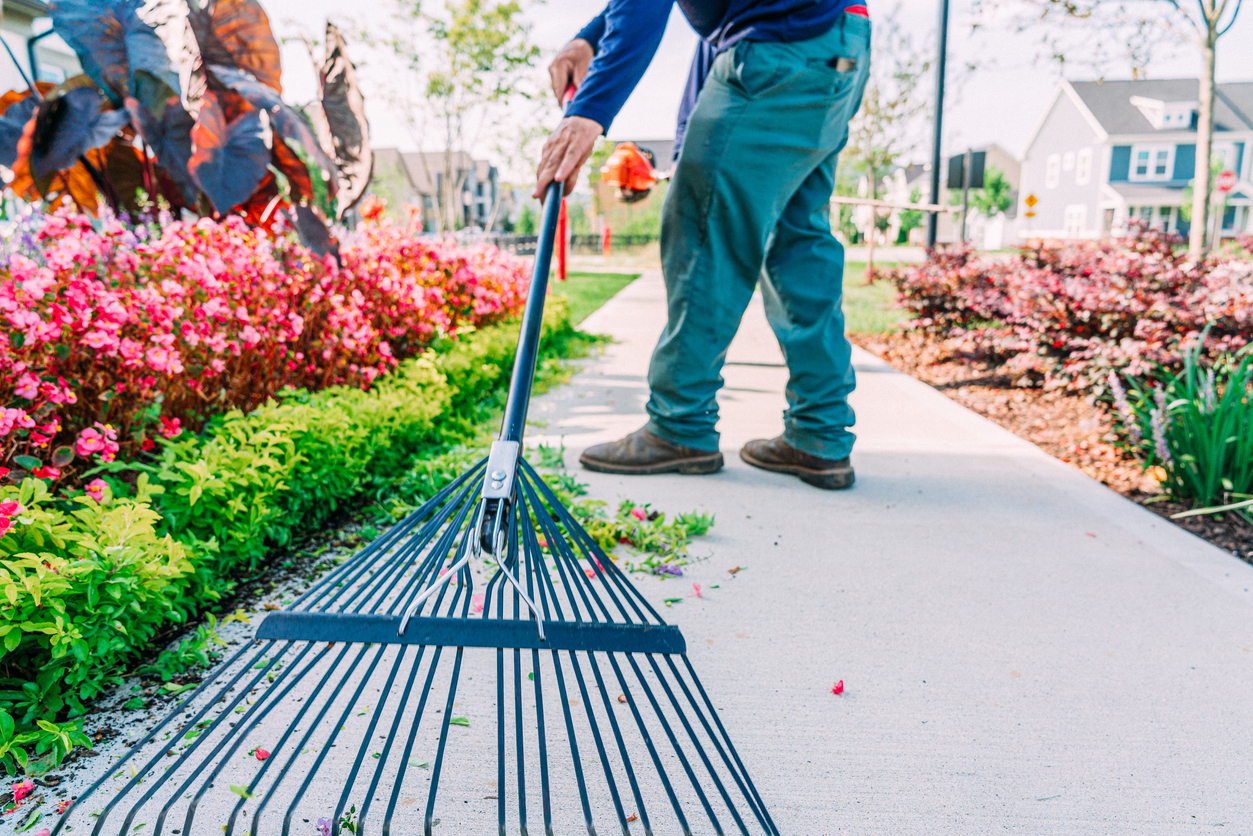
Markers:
point(838, 688)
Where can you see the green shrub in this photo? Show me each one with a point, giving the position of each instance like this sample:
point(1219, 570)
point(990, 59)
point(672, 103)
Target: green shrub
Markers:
point(87, 585)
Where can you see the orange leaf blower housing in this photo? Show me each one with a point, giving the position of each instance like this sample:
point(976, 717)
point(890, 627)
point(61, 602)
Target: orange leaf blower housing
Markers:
point(630, 170)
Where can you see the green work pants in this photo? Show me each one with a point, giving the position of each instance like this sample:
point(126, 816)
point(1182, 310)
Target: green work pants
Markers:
point(750, 199)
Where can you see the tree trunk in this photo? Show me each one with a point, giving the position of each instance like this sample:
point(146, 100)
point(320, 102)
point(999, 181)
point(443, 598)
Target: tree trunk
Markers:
point(1204, 146)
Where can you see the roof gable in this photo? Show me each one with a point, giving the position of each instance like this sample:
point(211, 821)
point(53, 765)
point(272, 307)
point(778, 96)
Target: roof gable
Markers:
point(1110, 103)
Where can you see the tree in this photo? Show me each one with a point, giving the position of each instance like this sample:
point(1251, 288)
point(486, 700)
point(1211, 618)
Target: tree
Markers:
point(886, 127)
point(911, 219)
point(990, 200)
point(459, 71)
point(1138, 28)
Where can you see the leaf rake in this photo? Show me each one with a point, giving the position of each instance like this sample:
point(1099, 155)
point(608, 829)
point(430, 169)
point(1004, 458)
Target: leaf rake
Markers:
point(353, 704)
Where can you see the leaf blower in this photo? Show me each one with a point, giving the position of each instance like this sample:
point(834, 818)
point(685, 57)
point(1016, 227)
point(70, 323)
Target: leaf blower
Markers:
point(631, 170)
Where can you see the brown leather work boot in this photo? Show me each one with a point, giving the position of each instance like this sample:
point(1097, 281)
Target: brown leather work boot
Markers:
point(642, 453)
point(777, 455)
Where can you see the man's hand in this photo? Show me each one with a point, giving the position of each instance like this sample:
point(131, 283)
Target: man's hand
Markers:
point(570, 67)
point(565, 152)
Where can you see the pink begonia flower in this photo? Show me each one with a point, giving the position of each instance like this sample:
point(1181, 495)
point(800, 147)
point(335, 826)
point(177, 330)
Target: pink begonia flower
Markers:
point(6, 525)
point(27, 387)
point(46, 472)
point(95, 489)
point(170, 428)
point(11, 507)
point(89, 441)
point(639, 513)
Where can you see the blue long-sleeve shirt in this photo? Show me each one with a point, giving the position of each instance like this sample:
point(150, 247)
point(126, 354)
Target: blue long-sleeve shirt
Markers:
point(625, 36)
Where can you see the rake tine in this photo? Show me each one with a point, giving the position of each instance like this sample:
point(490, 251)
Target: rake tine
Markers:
point(674, 742)
point(531, 552)
point(401, 529)
point(247, 721)
point(403, 559)
point(700, 750)
point(551, 537)
point(413, 733)
point(771, 827)
point(734, 768)
point(138, 778)
point(144, 741)
point(545, 784)
point(294, 726)
point(648, 741)
point(367, 738)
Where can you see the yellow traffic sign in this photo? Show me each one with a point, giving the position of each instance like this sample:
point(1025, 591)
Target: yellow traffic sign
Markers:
point(1031, 201)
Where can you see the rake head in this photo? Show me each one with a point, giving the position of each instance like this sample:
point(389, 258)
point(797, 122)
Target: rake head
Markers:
point(385, 701)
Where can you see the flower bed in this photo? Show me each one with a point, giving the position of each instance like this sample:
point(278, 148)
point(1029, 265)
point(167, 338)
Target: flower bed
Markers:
point(1066, 315)
point(120, 334)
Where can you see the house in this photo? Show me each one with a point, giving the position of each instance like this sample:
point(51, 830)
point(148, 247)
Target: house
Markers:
point(417, 178)
point(1106, 152)
point(984, 232)
point(27, 31)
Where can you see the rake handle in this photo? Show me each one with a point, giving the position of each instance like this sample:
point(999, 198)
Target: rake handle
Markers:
point(514, 423)
point(532, 319)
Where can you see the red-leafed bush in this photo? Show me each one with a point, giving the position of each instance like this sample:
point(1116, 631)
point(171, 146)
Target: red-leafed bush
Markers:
point(1068, 314)
point(114, 334)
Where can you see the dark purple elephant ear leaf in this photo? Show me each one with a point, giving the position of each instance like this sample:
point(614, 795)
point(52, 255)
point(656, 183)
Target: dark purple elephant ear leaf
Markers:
point(236, 33)
point(169, 137)
point(314, 233)
point(16, 109)
point(117, 49)
point(287, 124)
point(229, 154)
point(68, 126)
point(343, 108)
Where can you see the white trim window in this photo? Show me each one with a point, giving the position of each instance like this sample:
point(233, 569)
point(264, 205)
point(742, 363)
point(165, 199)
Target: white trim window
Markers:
point(1083, 167)
point(1053, 171)
point(1152, 161)
point(1076, 219)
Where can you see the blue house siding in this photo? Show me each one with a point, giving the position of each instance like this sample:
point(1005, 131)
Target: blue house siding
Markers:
point(1185, 162)
point(1120, 164)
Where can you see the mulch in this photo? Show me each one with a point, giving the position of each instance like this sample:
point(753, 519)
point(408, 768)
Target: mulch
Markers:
point(1073, 428)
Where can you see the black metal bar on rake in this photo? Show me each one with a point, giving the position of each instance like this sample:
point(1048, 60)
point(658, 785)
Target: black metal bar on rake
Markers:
point(272, 749)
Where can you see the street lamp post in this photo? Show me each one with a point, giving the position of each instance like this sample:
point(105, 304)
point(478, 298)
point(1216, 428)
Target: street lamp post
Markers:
point(933, 219)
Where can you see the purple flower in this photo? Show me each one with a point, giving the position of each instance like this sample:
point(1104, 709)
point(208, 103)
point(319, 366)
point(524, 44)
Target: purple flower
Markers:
point(1124, 409)
point(667, 569)
point(1157, 424)
point(324, 827)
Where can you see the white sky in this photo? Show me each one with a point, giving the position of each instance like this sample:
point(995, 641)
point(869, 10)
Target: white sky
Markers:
point(1001, 103)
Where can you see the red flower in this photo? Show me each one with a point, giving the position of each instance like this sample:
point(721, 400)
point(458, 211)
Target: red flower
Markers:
point(22, 789)
point(48, 472)
point(838, 688)
point(260, 753)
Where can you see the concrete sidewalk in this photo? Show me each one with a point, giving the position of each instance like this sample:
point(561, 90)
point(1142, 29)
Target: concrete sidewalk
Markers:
point(1023, 650)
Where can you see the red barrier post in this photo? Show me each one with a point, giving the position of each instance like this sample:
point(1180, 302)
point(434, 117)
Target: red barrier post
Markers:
point(561, 242)
point(607, 244)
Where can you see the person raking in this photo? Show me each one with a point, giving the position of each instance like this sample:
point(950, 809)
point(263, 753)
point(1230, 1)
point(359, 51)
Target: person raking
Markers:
point(765, 114)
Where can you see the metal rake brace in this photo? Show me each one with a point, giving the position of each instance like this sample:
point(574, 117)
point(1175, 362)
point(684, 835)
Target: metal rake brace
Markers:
point(342, 715)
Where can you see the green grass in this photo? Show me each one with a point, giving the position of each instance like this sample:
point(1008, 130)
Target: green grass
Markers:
point(869, 309)
point(588, 291)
